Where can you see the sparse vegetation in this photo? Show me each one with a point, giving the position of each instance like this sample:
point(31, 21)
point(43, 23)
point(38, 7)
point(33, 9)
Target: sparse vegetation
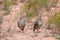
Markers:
point(8, 3)
point(5, 5)
point(57, 36)
point(0, 22)
point(0, 19)
point(55, 20)
point(33, 6)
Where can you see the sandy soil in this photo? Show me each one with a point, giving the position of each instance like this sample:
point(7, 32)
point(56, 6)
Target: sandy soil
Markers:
point(10, 21)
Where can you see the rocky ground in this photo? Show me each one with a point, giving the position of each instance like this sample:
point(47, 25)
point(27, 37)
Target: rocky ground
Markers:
point(13, 33)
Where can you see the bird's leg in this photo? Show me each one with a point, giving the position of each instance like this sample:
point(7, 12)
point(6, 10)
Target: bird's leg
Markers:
point(22, 30)
point(19, 30)
point(38, 30)
point(34, 30)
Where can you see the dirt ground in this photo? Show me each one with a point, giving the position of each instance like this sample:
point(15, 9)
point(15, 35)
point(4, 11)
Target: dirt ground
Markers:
point(15, 34)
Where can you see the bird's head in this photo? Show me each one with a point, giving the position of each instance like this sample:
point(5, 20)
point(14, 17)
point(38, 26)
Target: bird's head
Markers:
point(22, 17)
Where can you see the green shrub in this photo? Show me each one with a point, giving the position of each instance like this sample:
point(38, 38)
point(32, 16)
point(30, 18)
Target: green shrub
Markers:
point(8, 3)
point(56, 19)
point(0, 19)
point(57, 36)
point(0, 22)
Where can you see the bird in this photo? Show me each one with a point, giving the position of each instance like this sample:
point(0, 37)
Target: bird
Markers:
point(37, 24)
point(21, 23)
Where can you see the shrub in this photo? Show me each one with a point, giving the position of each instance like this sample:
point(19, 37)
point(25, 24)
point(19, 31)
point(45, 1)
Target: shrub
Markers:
point(56, 19)
point(0, 19)
point(8, 3)
point(0, 22)
point(57, 36)
point(33, 6)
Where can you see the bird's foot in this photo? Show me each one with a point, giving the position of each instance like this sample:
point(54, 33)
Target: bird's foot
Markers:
point(38, 31)
point(18, 31)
